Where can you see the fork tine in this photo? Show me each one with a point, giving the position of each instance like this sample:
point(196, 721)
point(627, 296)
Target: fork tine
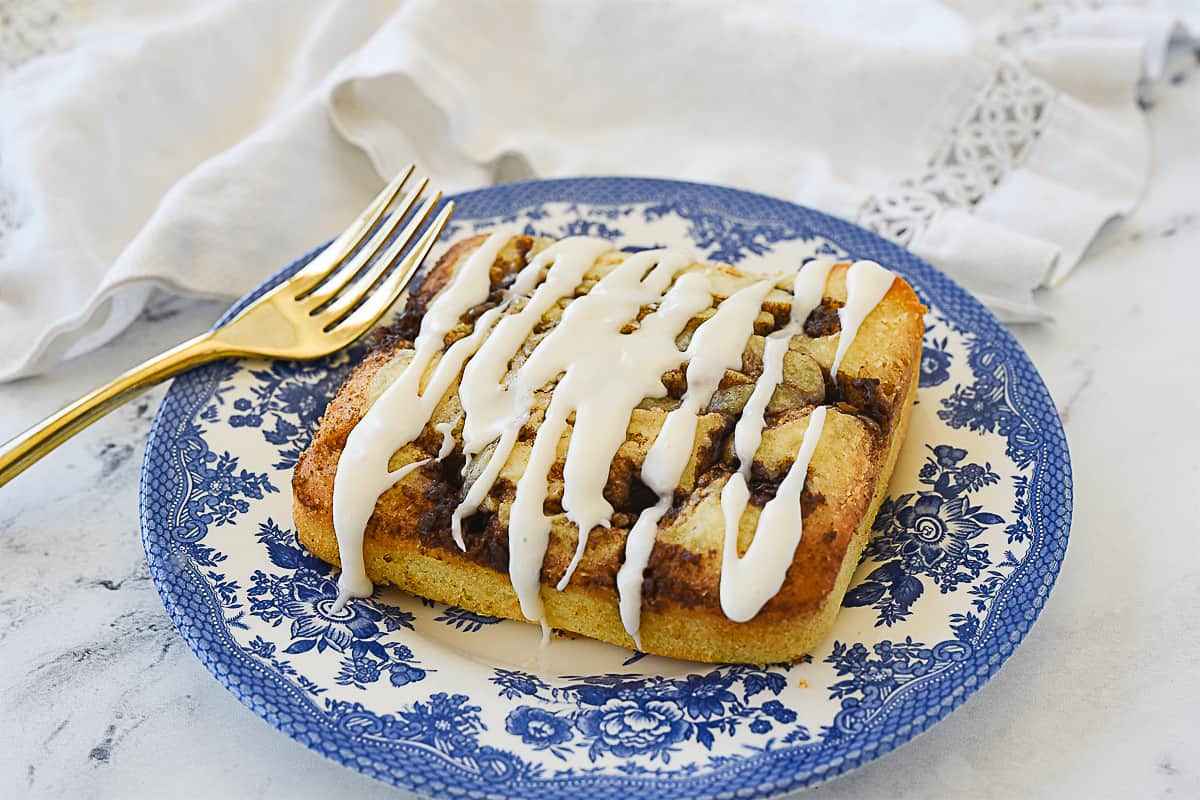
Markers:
point(341, 307)
point(337, 282)
point(384, 296)
point(332, 256)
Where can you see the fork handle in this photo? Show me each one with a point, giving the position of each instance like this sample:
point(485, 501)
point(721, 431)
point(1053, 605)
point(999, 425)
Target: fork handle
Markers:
point(20, 452)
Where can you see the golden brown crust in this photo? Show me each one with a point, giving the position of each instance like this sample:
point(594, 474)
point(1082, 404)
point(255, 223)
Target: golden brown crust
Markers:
point(408, 541)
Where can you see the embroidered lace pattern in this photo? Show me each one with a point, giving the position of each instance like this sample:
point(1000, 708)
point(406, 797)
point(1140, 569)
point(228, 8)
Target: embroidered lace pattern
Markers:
point(1041, 19)
point(991, 138)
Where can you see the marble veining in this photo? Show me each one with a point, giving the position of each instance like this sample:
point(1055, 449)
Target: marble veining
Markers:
point(100, 698)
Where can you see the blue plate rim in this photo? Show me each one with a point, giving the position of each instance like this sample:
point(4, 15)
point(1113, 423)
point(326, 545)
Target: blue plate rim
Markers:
point(1052, 479)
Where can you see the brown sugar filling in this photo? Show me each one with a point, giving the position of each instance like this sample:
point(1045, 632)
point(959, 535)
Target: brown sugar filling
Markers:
point(823, 320)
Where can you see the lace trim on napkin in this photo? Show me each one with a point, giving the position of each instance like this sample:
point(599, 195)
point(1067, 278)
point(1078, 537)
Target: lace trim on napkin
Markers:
point(991, 139)
point(1042, 18)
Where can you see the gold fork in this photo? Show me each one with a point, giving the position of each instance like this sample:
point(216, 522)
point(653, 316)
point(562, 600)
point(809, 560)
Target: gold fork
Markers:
point(330, 302)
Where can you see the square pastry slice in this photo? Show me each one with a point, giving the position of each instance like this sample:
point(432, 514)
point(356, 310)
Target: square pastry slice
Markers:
point(659, 453)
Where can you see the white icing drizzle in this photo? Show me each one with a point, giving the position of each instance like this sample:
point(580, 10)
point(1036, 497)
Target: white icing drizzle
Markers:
point(446, 429)
point(807, 290)
point(603, 407)
point(403, 410)
point(492, 409)
point(584, 348)
point(866, 284)
point(748, 582)
point(716, 346)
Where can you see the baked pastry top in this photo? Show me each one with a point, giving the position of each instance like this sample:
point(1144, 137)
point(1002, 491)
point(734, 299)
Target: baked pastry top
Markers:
point(642, 413)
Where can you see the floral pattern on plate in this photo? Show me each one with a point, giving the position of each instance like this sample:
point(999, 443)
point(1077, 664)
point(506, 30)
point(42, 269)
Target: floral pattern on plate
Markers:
point(439, 699)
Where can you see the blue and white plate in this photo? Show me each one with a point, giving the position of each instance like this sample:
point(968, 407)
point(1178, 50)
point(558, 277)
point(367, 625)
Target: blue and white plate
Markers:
point(440, 700)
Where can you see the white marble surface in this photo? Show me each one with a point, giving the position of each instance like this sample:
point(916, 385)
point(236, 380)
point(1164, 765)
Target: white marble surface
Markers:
point(99, 697)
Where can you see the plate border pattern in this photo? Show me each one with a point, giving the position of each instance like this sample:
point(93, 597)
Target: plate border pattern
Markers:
point(194, 608)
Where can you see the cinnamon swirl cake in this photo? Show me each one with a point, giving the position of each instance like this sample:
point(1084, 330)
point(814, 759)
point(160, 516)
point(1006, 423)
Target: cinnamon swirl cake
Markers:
point(640, 448)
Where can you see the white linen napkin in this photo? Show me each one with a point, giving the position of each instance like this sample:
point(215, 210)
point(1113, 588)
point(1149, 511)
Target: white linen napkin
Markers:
point(197, 146)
